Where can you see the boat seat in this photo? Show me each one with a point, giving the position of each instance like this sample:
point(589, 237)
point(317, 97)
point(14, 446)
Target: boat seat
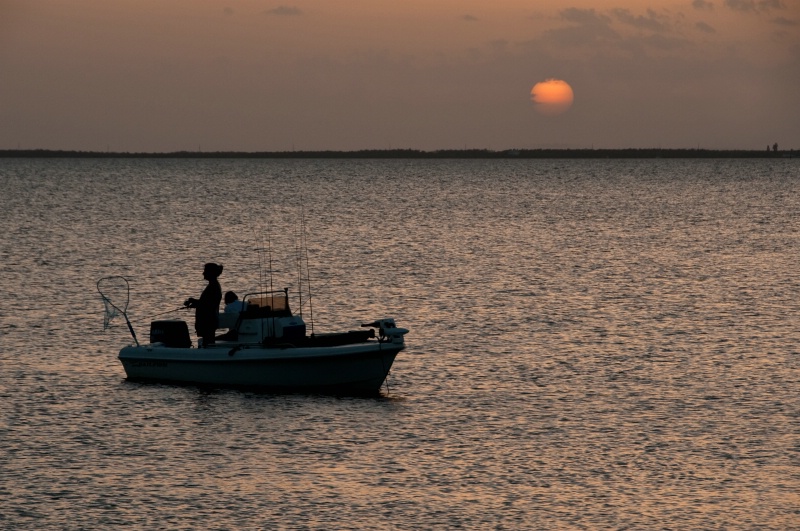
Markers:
point(228, 320)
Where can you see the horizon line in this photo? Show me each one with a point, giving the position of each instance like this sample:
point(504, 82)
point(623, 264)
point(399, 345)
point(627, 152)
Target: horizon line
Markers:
point(415, 153)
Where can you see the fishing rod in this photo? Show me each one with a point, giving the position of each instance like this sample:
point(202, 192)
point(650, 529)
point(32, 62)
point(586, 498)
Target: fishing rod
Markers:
point(259, 250)
point(159, 314)
point(271, 295)
point(261, 281)
point(269, 255)
point(308, 269)
point(298, 258)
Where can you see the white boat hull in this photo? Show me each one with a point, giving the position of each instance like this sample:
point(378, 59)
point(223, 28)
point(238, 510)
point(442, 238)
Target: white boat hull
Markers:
point(359, 368)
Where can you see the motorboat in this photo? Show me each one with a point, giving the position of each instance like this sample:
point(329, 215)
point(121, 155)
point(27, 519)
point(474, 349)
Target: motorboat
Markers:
point(267, 346)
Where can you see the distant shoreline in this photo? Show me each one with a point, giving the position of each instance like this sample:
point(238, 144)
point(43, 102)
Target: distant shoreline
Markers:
point(417, 154)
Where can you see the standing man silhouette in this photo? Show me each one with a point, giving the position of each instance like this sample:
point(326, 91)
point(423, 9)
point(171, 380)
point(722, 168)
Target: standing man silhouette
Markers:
point(206, 315)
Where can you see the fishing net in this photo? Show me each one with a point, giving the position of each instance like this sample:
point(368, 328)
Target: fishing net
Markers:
point(116, 294)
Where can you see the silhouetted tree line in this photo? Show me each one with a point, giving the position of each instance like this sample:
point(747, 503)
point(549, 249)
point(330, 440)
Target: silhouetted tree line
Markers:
point(417, 154)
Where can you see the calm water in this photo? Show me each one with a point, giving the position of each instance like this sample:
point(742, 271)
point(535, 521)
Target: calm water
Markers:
point(593, 345)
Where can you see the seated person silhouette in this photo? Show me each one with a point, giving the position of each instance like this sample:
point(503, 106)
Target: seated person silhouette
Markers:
point(233, 304)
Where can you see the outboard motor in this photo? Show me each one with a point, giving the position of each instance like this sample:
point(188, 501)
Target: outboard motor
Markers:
point(173, 333)
point(388, 330)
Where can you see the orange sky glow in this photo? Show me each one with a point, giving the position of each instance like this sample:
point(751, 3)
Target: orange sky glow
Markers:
point(253, 75)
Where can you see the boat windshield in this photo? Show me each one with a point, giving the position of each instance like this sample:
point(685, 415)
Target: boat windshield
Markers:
point(277, 302)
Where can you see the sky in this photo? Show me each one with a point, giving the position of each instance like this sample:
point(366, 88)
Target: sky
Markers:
point(260, 75)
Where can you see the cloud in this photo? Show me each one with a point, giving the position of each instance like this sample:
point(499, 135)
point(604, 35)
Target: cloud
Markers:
point(228, 10)
point(702, 4)
point(705, 28)
point(590, 29)
point(285, 11)
point(751, 6)
point(587, 17)
point(653, 21)
point(783, 21)
point(469, 18)
point(766, 5)
point(741, 5)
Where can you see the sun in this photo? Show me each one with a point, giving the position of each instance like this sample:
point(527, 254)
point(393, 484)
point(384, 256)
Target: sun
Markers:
point(552, 97)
